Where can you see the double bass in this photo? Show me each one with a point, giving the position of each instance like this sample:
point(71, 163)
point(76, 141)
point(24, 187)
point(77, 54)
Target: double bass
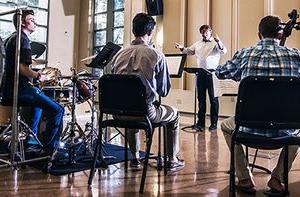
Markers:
point(288, 26)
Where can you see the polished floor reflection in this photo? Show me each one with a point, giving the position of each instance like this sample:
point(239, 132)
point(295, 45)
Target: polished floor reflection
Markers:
point(207, 161)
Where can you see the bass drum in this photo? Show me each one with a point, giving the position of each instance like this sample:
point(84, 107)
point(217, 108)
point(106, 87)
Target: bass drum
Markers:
point(85, 90)
point(62, 95)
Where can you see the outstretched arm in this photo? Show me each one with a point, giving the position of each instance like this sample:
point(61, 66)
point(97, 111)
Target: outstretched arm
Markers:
point(189, 51)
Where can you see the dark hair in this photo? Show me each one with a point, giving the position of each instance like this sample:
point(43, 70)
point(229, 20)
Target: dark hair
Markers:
point(142, 24)
point(269, 26)
point(204, 27)
point(25, 13)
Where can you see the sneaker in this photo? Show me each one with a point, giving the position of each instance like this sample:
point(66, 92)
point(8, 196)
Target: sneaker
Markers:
point(175, 166)
point(135, 163)
point(212, 127)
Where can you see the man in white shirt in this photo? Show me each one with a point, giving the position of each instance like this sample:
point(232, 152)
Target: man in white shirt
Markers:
point(208, 51)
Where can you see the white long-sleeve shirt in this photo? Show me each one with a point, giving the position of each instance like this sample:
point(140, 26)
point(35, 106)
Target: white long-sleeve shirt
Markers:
point(207, 53)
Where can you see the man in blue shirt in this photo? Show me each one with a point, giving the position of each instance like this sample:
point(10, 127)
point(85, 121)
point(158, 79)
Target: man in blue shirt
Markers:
point(266, 58)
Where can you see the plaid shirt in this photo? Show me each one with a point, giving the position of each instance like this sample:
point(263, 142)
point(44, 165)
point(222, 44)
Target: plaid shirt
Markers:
point(267, 58)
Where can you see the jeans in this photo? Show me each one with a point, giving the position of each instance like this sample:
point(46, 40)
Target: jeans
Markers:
point(53, 111)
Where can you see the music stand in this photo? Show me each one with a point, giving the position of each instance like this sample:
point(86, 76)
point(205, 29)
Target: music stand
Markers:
point(104, 56)
point(175, 64)
point(193, 70)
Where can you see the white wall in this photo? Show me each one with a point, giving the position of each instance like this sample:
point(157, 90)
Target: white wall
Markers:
point(63, 34)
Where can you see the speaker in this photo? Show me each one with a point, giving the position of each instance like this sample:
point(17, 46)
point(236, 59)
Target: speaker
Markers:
point(155, 7)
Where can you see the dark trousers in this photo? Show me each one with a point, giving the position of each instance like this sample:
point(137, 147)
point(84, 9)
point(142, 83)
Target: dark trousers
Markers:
point(205, 82)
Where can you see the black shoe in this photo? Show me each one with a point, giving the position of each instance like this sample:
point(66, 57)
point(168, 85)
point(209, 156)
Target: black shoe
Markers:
point(135, 163)
point(212, 127)
point(198, 127)
point(175, 166)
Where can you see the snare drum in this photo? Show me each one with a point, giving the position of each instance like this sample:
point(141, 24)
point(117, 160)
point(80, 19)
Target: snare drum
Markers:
point(53, 74)
point(62, 95)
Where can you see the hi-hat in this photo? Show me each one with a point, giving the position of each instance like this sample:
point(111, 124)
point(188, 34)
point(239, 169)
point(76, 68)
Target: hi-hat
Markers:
point(36, 62)
point(88, 58)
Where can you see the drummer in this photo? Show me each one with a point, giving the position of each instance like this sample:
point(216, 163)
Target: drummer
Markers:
point(29, 95)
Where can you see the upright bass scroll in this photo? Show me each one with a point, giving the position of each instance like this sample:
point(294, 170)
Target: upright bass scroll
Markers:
point(288, 26)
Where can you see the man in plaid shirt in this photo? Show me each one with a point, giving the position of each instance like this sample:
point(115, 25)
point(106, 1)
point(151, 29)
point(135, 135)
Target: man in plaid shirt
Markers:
point(266, 58)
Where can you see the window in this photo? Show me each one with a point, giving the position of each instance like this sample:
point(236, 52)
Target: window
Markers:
point(108, 22)
point(40, 8)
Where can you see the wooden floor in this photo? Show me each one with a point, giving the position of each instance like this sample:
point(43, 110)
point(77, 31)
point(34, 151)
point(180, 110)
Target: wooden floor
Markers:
point(207, 161)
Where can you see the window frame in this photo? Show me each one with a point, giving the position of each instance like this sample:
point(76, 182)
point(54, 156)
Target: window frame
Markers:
point(109, 29)
point(38, 25)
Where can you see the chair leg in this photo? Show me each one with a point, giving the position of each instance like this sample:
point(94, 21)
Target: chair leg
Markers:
point(165, 150)
point(254, 159)
point(126, 151)
point(232, 170)
point(286, 172)
point(96, 153)
point(92, 172)
point(149, 143)
point(159, 161)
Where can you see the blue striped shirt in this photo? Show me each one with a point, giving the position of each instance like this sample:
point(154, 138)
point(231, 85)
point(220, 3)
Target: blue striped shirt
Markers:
point(266, 58)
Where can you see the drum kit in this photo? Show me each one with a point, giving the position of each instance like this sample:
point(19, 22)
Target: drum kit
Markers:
point(69, 91)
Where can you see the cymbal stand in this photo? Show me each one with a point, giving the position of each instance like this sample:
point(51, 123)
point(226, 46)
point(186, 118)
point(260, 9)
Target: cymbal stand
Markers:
point(92, 135)
point(90, 126)
point(68, 134)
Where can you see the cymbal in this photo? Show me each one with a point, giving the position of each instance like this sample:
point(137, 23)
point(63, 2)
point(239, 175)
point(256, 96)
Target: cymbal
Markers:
point(88, 58)
point(36, 62)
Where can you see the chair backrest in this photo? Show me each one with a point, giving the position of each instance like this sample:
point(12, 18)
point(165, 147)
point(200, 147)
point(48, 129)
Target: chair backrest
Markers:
point(122, 95)
point(269, 103)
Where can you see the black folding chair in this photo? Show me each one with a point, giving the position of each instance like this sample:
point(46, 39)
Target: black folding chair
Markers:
point(266, 103)
point(125, 95)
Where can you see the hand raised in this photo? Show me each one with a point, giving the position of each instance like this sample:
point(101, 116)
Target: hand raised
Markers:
point(178, 46)
point(216, 38)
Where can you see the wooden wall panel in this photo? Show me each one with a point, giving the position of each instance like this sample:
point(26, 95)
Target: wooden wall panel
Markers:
point(281, 9)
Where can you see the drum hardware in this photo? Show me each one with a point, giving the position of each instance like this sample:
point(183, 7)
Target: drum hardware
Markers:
point(37, 62)
point(68, 135)
point(24, 131)
point(90, 126)
point(92, 131)
point(52, 74)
